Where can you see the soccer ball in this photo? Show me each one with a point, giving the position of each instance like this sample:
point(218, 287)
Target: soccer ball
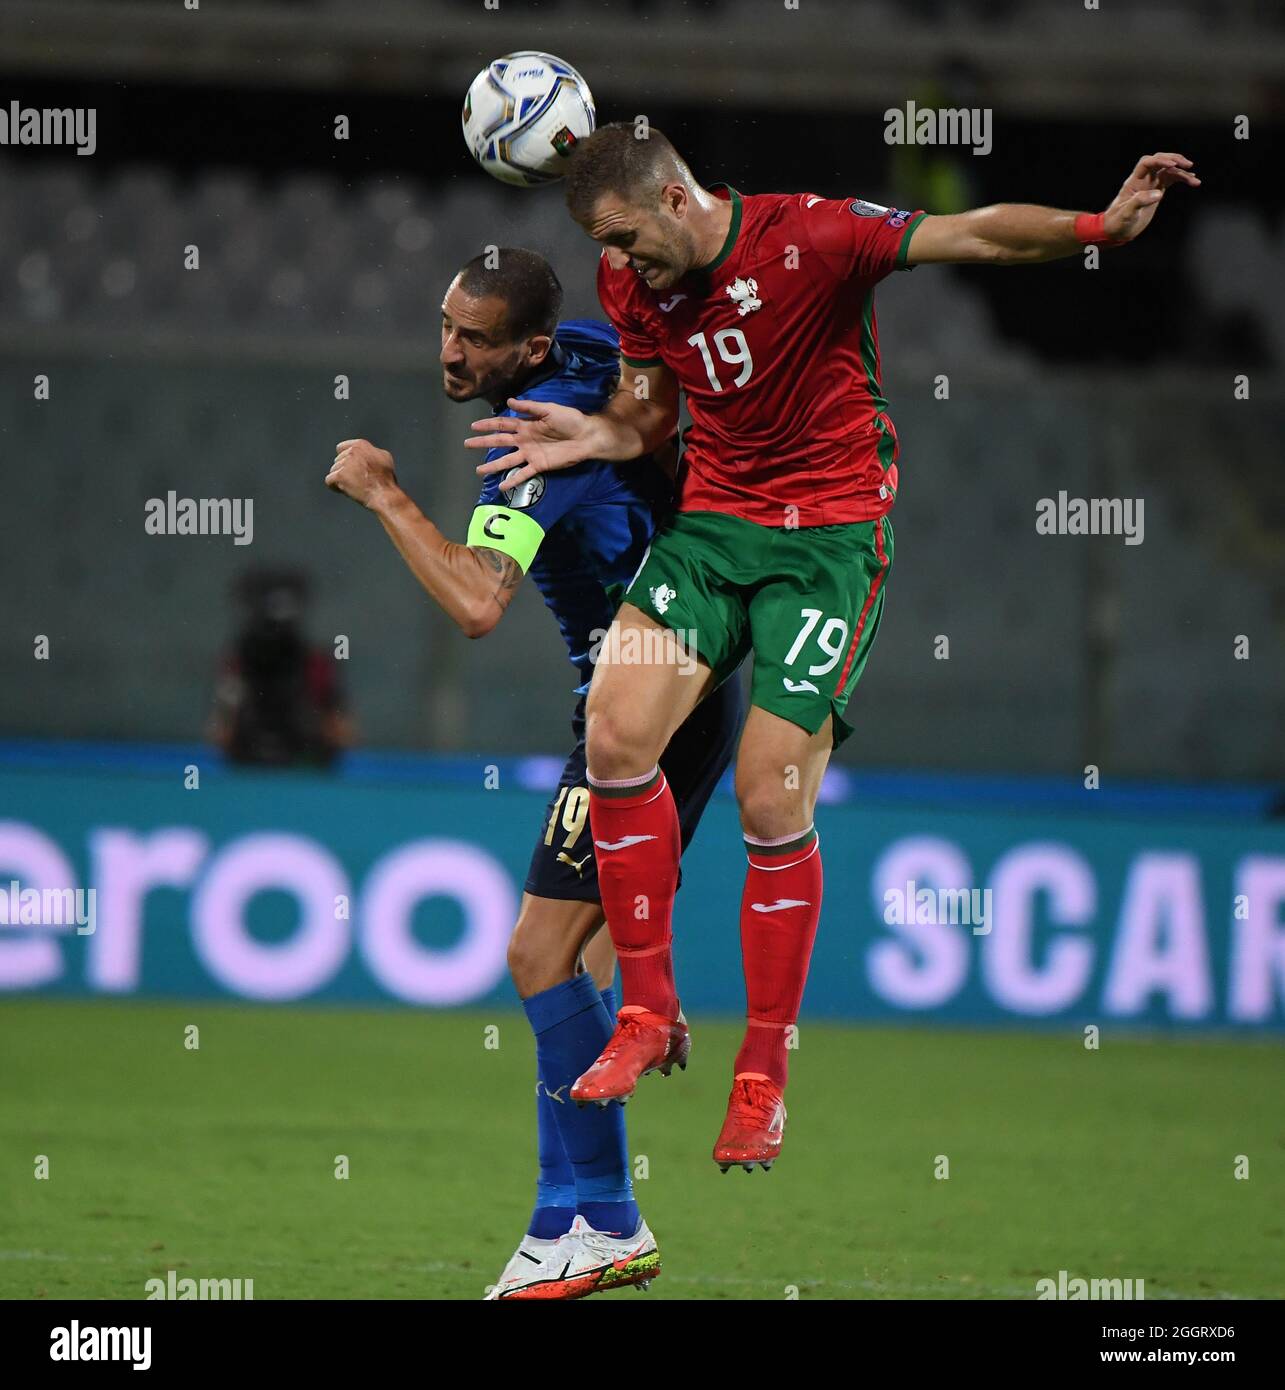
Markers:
point(522, 115)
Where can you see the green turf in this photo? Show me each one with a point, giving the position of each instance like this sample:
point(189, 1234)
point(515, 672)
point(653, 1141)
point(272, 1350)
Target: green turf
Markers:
point(220, 1162)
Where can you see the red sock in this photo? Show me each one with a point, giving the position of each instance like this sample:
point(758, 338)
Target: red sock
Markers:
point(637, 881)
point(779, 912)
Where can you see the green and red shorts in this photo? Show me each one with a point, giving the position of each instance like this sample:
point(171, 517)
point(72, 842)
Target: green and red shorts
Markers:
point(805, 600)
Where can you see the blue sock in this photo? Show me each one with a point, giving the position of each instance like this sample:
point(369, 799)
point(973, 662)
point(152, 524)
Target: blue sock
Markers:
point(555, 1188)
point(611, 1216)
point(571, 1027)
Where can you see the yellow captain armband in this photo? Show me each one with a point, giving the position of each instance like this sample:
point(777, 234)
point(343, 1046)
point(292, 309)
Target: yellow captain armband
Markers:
point(510, 532)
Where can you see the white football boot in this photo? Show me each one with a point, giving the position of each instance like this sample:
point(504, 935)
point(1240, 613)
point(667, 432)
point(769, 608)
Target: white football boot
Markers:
point(582, 1262)
point(531, 1264)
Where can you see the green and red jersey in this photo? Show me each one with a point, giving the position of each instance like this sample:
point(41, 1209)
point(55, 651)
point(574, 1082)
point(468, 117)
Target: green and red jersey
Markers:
point(775, 346)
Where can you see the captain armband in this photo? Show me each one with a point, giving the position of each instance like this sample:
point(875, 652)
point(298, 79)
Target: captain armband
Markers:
point(511, 532)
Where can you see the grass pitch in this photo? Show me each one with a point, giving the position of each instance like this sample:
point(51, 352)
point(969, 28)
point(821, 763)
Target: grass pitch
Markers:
point(221, 1162)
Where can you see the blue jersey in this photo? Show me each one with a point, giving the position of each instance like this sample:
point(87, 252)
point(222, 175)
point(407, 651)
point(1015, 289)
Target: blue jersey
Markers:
point(579, 533)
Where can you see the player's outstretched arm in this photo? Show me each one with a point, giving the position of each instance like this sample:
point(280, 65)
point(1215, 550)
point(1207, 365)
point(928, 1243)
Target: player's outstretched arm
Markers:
point(472, 585)
point(640, 417)
point(1018, 233)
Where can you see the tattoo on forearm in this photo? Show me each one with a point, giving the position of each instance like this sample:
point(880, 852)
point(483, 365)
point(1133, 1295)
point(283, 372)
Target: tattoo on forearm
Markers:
point(507, 571)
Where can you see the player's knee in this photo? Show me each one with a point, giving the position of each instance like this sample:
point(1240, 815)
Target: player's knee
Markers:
point(769, 809)
point(523, 960)
point(615, 745)
point(529, 957)
point(539, 956)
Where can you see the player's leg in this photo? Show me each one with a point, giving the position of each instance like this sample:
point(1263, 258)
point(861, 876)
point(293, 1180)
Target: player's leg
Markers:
point(692, 764)
point(813, 626)
point(583, 1183)
point(652, 673)
point(545, 949)
point(779, 769)
point(557, 938)
point(544, 924)
point(599, 959)
point(645, 684)
point(646, 681)
point(635, 706)
point(701, 751)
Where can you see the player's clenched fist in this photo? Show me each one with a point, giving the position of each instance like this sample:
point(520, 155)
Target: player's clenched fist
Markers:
point(1135, 205)
point(361, 471)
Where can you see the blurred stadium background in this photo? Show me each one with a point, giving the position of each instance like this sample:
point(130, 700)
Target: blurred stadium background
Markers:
point(1152, 905)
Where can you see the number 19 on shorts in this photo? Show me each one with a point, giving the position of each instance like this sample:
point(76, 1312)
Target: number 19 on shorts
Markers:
point(832, 640)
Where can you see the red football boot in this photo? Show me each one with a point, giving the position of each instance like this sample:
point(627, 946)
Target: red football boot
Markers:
point(754, 1126)
point(643, 1042)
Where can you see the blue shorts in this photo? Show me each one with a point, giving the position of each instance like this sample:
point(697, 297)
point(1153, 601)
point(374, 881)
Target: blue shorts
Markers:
point(563, 864)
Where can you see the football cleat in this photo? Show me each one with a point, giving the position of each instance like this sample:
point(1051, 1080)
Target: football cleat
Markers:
point(642, 1042)
point(754, 1126)
point(534, 1262)
point(582, 1262)
point(607, 1261)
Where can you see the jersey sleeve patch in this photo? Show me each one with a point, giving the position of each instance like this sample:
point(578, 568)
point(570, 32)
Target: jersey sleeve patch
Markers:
point(859, 239)
point(512, 533)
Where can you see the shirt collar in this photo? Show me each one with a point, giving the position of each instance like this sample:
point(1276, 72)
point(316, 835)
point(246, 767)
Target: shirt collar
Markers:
point(733, 229)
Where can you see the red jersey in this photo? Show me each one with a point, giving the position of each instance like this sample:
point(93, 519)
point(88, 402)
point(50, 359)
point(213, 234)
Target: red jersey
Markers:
point(775, 347)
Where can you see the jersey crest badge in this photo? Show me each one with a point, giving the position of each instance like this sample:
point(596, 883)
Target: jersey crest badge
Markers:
point(864, 209)
point(525, 494)
point(662, 596)
point(744, 294)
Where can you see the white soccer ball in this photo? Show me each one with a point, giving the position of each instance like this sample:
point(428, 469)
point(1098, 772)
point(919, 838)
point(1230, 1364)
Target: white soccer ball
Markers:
point(523, 114)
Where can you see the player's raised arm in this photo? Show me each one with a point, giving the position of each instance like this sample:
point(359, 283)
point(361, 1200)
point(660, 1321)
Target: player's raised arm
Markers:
point(471, 583)
point(1016, 233)
point(640, 417)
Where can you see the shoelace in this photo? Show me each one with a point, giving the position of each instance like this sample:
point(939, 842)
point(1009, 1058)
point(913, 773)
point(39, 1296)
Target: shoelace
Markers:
point(601, 1244)
point(758, 1097)
point(624, 1027)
